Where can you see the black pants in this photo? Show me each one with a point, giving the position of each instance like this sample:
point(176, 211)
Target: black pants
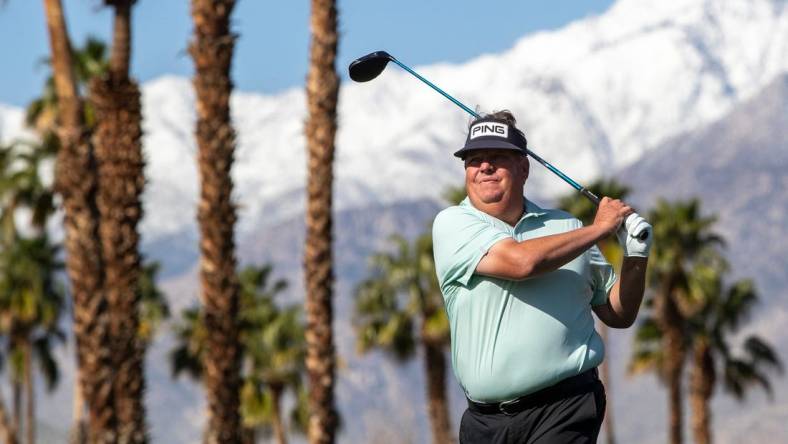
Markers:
point(571, 416)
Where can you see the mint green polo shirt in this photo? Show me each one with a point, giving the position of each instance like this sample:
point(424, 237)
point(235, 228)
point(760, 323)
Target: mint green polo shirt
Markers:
point(510, 338)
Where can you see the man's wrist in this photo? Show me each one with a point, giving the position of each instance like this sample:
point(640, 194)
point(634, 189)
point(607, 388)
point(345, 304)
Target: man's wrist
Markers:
point(601, 231)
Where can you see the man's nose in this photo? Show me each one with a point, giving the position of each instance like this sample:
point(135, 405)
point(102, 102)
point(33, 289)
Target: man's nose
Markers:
point(486, 166)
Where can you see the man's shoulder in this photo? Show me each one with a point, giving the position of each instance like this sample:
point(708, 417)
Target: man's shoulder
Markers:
point(455, 214)
point(464, 208)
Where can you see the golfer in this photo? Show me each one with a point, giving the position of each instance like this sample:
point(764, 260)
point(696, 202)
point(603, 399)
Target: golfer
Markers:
point(520, 283)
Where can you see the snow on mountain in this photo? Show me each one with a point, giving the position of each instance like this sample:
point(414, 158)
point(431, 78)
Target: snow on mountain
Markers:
point(591, 97)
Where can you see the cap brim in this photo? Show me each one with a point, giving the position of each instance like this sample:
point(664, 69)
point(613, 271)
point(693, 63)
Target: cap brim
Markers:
point(488, 145)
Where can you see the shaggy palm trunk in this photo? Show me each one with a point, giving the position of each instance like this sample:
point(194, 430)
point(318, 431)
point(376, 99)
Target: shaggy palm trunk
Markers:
point(669, 322)
point(437, 403)
point(212, 51)
point(30, 393)
point(75, 180)
point(613, 254)
point(604, 375)
point(322, 88)
point(15, 344)
point(16, 389)
point(118, 148)
point(278, 426)
point(249, 435)
point(78, 434)
point(702, 382)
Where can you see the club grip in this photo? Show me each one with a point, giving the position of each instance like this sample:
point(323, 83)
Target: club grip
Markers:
point(591, 196)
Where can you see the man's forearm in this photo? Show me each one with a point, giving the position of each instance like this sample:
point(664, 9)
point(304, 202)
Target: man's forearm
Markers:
point(552, 252)
point(627, 296)
point(510, 259)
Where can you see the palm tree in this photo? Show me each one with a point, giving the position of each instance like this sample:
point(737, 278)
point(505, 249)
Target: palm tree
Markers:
point(118, 151)
point(153, 306)
point(272, 349)
point(89, 61)
point(401, 302)
point(719, 311)
point(681, 234)
point(322, 90)
point(31, 303)
point(76, 182)
point(582, 208)
point(21, 184)
point(31, 300)
point(212, 50)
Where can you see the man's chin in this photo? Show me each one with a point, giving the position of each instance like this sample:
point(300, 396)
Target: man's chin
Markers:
point(491, 198)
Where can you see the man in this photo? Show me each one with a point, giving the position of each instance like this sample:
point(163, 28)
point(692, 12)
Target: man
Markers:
point(520, 283)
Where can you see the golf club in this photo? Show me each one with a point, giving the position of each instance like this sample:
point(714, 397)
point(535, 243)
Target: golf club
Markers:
point(368, 67)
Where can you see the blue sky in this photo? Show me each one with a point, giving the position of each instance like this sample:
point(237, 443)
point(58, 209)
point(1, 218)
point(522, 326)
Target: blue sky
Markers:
point(272, 50)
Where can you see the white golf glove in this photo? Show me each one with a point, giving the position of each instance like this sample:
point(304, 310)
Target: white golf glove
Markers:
point(628, 236)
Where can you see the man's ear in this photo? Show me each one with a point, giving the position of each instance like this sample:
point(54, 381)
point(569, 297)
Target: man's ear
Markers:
point(526, 166)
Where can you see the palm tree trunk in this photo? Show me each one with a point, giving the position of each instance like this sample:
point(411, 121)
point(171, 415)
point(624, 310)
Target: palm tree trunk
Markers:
point(279, 429)
point(322, 89)
point(75, 180)
point(118, 147)
point(702, 383)
point(437, 403)
point(30, 413)
point(7, 430)
point(606, 381)
point(212, 51)
point(669, 321)
point(673, 371)
point(78, 429)
point(121, 39)
point(249, 435)
point(16, 388)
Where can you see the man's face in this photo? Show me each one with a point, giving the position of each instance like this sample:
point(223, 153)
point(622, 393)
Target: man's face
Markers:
point(492, 175)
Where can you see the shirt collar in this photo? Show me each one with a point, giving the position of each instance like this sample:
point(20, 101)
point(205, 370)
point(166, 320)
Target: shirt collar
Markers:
point(531, 209)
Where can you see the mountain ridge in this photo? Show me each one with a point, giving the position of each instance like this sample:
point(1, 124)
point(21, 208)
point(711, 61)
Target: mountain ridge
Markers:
point(592, 96)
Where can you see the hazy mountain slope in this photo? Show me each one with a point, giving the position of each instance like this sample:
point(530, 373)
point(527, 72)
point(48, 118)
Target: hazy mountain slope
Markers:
point(738, 167)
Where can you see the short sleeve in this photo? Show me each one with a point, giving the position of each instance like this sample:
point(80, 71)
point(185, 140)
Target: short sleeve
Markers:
point(460, 239)
point(602, 277)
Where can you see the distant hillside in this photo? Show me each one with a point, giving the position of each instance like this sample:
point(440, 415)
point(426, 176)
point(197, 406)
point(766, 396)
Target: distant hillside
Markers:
point(738, 167)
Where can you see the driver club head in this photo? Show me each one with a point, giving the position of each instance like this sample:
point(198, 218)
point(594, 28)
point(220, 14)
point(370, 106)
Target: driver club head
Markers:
point(366, 68)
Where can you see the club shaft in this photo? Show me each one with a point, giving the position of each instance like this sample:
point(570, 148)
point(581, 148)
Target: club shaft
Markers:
point(433, 86)
point(546, 164)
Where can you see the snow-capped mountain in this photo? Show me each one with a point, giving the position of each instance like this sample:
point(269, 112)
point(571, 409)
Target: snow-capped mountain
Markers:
point(591, 97)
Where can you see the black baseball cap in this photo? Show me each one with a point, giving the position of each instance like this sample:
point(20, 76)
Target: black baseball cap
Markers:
point(491, 133)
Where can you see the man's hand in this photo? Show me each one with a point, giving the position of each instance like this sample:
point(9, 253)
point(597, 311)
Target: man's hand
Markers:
point(610, 214)
point(627, 236)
